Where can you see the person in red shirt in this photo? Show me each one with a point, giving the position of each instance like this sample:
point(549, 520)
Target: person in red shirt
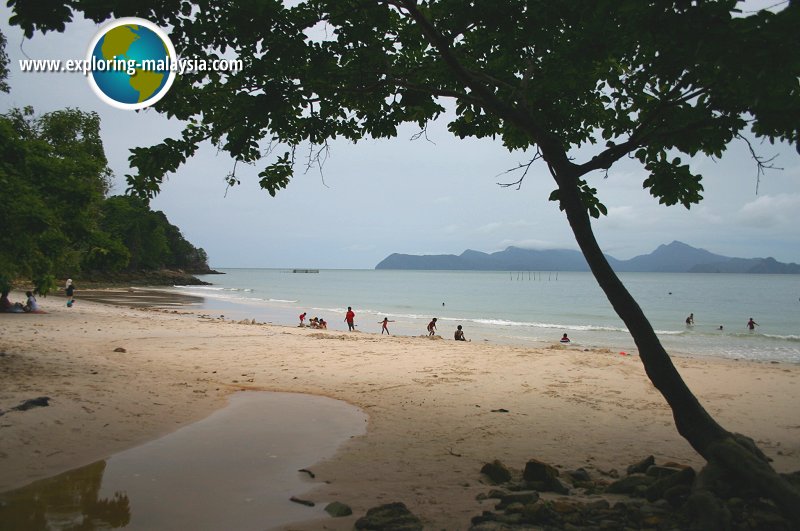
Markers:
point(302, 318)
point(349, 318)
point(385, 325)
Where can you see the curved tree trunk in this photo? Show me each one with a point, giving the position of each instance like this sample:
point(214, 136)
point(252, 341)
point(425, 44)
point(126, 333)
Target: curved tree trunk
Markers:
point(706, 436)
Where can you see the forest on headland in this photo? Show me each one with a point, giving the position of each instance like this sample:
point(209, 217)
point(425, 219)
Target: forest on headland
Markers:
point(59, 221)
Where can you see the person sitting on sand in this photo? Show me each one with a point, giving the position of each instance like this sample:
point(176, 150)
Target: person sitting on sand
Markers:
point(313, 322)
point(432, 327)
point(322, 324)
point(564, 339)
point(7, 306)
point(459, 335)
point(31, 306)
point(385, 326)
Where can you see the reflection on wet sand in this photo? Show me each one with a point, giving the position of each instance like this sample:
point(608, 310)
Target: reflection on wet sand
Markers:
point(66, 501)
point(236, 469)
point(140, 297)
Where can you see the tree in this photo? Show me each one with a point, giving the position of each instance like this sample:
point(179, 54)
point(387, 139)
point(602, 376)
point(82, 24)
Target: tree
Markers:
point(649, 80)
point(53, 171)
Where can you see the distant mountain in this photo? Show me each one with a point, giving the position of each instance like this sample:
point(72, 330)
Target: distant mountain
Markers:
point(677, 257)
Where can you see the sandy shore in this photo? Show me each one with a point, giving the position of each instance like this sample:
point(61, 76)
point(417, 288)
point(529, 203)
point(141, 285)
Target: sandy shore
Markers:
point(432, 404)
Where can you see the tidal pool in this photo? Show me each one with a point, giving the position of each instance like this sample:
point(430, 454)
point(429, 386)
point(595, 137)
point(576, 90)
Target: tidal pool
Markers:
point(235, 469)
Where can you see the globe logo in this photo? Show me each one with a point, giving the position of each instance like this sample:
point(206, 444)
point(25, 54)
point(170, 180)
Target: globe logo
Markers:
point(131, 62)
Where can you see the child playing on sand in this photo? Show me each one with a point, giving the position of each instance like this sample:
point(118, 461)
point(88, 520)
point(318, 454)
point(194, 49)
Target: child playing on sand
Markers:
point(432, 327)
point(459, 335)
point(385, 326)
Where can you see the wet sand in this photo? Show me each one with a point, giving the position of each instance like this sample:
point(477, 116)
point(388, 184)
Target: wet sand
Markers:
point(226, 471)
point(437, 409)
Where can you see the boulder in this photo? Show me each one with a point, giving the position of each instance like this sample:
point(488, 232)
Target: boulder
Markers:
point(497, 472)
point(389, 517)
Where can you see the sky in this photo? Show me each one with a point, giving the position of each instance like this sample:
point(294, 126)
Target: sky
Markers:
point(434, 195)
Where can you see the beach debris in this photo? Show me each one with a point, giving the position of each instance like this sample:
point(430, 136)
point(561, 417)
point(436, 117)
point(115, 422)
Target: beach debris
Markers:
point(301, 501)
point(307, 471)
point(42, 401)
point(394, 516)
point(338, 509)
point(497, 472)
point(120, 349)
point(501, 410)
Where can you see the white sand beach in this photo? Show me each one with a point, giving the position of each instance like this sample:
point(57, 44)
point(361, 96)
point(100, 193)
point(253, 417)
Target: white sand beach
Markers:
point(438, 409)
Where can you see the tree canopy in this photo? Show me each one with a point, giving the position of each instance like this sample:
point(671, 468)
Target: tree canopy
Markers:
point(645, 79)
point(654, 81)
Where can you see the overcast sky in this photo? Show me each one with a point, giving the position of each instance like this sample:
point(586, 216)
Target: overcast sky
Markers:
point(412, 196)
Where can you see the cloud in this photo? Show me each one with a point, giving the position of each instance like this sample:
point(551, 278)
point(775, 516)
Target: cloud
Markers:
point(489, 227)
point(770, 210)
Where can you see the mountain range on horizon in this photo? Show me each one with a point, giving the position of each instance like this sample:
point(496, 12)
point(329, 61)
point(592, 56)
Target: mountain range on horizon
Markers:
point(676, 257)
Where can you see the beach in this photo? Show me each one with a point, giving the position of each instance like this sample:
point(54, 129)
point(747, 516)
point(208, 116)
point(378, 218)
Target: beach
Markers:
point(119, 376)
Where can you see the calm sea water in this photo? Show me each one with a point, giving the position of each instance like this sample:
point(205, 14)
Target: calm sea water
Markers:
point(527, 308)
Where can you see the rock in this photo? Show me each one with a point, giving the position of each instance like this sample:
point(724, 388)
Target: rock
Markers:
point(120, 349)
point(629, 484)
point(338, 509)
point(536, 470)
point(681, 477)
point(660, 472)
point(497, 472)
point(642, 466)
point(579, 475)
point(389, 517)
point(706, 511)
point(522, 498)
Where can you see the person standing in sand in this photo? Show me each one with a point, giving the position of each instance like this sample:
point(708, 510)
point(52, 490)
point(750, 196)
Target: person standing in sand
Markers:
point(350, 318)
point(432, 327)
point(302, 317)
point(751, 325)
point(385, 326)
point(70, 291)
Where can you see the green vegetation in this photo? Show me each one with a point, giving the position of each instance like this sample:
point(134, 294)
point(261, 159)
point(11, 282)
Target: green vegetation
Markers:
point(56, 219)
point(651, 81)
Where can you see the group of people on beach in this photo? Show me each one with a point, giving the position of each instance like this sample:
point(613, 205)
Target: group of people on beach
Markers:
point(30, 306)
point(314, 322)
point(751, 324)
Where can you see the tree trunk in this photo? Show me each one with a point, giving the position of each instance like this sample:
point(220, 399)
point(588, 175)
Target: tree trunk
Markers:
point(694, 423)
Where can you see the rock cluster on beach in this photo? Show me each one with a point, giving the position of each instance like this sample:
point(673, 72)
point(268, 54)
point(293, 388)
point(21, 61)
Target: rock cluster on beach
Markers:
point(649, 496)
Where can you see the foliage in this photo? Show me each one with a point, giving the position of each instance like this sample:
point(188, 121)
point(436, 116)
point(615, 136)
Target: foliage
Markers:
point(631, 77)
point(53, 175)
point(56, 219)
point(146, 237)
point(3, 64)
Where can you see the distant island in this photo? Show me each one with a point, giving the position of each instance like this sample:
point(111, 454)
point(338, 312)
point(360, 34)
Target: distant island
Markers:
point(677, 257)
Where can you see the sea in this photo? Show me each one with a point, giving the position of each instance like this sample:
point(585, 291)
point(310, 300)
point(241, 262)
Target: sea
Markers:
point(525, 308)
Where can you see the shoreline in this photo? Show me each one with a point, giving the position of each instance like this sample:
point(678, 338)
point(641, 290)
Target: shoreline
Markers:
point(434, 406)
